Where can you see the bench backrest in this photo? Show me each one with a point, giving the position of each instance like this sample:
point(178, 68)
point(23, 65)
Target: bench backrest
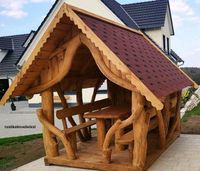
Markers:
point(68, 112)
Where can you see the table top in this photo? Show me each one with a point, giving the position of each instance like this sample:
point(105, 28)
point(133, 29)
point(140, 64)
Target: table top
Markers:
point(112, 112)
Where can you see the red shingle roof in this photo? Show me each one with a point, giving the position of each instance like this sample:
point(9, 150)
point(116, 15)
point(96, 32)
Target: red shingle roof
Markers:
point(141, 57)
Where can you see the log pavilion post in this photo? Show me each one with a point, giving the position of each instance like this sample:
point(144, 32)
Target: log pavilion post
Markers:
point(50, 142)
point(140, 125)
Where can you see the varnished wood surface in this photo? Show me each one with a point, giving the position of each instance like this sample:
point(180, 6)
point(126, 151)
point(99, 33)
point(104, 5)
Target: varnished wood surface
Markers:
point(67, 112)
point(89, 158)
point(112, 112)
point(80, 126)
point(129, 137)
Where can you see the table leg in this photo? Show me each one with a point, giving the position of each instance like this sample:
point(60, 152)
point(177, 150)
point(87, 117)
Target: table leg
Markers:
point(101, 131)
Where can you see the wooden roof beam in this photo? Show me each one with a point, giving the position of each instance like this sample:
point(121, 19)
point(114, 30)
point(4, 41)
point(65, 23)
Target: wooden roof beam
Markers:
point(72, 46)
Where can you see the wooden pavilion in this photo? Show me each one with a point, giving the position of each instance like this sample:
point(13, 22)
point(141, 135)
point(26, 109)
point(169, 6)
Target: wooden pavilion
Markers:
point(135, 124)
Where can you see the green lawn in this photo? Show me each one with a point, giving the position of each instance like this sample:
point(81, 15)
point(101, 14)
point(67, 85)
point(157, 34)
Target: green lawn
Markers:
point(188, 114)
point(20, 139)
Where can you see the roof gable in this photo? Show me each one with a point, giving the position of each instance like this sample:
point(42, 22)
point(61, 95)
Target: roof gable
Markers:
point(124, 56)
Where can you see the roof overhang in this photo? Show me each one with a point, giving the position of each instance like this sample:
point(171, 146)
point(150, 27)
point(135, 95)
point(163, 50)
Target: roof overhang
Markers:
point(20, 81)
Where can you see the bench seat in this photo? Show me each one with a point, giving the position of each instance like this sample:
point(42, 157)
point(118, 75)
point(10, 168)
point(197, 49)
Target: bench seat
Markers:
point(80, 126)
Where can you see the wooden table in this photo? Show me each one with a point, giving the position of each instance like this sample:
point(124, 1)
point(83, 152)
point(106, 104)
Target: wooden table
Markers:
point(112, 112)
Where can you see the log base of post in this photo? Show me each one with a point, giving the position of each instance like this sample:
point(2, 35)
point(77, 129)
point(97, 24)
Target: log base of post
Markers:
point(107, 155)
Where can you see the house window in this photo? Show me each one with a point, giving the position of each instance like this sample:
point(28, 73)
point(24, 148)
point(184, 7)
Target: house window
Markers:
point(164, 45)
point(168, 50)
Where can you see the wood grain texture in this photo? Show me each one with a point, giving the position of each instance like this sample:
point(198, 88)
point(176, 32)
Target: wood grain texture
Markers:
point(50, 127)
point(50, 142)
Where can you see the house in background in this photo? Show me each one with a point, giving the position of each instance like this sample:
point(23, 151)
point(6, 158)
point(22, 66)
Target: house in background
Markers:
point(11, 50)
point(153, 18)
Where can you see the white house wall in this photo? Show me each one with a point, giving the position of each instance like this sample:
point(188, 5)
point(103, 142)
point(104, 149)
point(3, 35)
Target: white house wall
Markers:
point(95, 6)
point(87, 95)
point(157, 34)
point(166, 29)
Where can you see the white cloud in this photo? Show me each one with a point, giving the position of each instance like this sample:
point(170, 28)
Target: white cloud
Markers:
point(15, 8)
point(181, 7)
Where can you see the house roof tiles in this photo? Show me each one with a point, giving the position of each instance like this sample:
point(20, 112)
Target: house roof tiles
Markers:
point(7, 67)
point(120, 13)
point(150, 14)
point(6, 43)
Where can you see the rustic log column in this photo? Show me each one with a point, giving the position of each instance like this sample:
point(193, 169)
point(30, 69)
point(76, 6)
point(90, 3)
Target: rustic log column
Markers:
point(161, 126)
point(176, 122)
point(50, 142)
point(140, 125)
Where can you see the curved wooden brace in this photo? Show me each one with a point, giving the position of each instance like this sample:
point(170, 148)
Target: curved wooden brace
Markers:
point(69, 54)
point(117, 126)
point(72, 47)
point(68, 148)
point(120, 125)
point(102, 66)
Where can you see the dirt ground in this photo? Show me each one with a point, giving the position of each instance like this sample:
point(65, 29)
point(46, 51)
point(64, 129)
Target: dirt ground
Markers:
point(15, 155)
point(192, 126)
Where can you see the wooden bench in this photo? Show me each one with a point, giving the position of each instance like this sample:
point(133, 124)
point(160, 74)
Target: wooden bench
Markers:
point(129, 137)
point(81, 109)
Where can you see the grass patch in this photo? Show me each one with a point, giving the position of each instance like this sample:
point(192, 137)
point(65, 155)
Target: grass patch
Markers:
point(6, 162)
point(188, 114)
point(20, 139)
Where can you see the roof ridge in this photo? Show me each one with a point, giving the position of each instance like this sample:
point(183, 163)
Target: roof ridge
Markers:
point(143, 2)
point(9, 36)
point(129, 16)
point(104, 19)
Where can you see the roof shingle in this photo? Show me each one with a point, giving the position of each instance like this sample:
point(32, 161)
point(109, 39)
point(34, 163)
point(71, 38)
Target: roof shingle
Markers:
point(140, 56)
point(7, 67)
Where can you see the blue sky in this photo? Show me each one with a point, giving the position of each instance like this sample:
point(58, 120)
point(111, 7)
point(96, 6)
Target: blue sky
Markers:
point(22, 16)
